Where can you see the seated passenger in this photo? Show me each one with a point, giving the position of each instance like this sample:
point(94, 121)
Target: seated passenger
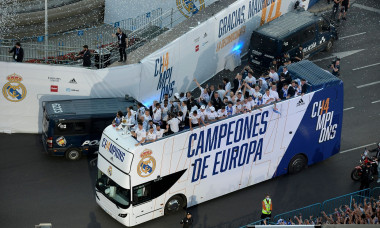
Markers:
point(117, 120)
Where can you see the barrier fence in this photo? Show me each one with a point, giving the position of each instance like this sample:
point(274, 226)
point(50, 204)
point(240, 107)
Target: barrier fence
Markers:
point(327, 206)
point(140, 29)
point(61, 46)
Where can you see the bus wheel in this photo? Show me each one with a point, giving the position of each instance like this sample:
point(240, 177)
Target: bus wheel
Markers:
point(297, 163)
point(329, 45)
point(73, 154)
point(174, 204)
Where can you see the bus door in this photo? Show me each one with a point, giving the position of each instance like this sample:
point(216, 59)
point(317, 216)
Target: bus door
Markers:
point(143, 207)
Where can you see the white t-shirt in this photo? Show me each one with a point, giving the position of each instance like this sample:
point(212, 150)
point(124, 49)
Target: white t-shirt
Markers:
point(202, 114)
point(221, 93)
point(222, 113)
point(140, 134)
point(274, 94)
point(174, 124)
point(251, 81)
point(151, 136)
point(157, 115)
point(267, 98)
point(194, 119)
point(160, 133)
point(205, 96)
point(165, 113)
point(212, 115)
point(227, 87)
point(184, 110)
point(274, 76)
point(147, 118)
point(252, 102)
point(247, 106)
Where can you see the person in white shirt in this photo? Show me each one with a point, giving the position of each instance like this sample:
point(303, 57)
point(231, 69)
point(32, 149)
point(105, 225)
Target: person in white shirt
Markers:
point(174, 122)
point(195, 120)
point(250, 80)
point(147, 116)
point(221, 91)
point(227, 84)
point(230, 109)
point(208, 107)
point(222, 113)
point(165, 111)
point(157, 114)
point(150, 135)
point(230, 96)
point(149, 125)
point(267, 98)
point(140, 134)
point(183, 108)
point(130, 118)
point(252, 102)
point(247, 105)
point(140, 110)
point(212, 115)
point(205, 96)
point(202, 113)
point(274, 93)
point(239, 106)
point(253, 92)
point(273, 75)
point(160, 132)
point(263, 84)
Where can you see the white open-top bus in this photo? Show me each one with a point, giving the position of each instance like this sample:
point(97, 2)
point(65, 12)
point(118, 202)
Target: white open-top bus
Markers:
point(138, 184)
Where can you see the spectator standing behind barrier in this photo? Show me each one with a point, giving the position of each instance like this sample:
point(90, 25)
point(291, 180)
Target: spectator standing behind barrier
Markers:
point(187, 222)
point(18, 52)
point(85, 54)
point(266, 212)
point(122, 39)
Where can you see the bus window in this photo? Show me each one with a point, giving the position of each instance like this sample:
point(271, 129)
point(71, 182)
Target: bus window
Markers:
point(142, 193)
point(64, 128)
point(290, 43)
point(308, 34)
point(80, 127)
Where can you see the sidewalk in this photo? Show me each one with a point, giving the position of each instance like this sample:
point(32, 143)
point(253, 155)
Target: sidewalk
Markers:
point(323, 6)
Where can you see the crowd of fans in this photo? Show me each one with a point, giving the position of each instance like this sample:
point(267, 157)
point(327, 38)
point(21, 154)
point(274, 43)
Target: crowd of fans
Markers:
point(244, 94)
point(358, 213)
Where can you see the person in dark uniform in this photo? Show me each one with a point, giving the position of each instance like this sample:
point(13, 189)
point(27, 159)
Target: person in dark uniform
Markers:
point(299, 54)
point(187, 222)
point(123, 41)
point(366, 177)
point(85, 54)
point(18, 52)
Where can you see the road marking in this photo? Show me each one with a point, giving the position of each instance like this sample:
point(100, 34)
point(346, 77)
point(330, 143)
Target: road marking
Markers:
point(366, 66)
point(348, 108)
point(373, 102)
point(367, 8)
point(369, 84)
point(344, 37)
point(345, 151)
point(340, 54)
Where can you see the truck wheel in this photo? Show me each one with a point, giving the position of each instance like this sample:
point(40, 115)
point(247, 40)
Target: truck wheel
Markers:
point(297, 164)
point(174, 204)
point(355, 175)
point(329, 45)
point(73, 154)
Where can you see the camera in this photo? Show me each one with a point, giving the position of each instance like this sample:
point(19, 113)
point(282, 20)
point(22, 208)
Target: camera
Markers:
point(333, 62)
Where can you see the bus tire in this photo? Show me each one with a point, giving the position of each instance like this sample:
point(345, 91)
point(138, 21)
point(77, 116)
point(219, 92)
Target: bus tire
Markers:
point(297, 164)
point(174, 204)
point(329, 45)
point(73, 154)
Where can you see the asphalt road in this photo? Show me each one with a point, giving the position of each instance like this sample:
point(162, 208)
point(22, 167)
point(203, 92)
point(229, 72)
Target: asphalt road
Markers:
point(37, 188)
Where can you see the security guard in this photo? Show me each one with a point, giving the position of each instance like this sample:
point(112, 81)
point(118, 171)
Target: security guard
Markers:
point(266, 208)
point(187, 222)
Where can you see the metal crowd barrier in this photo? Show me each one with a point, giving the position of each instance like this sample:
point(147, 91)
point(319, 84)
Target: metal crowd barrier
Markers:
point(328, 206)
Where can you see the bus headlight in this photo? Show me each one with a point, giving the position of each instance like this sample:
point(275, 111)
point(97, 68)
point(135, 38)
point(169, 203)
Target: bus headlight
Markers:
point(123, 215)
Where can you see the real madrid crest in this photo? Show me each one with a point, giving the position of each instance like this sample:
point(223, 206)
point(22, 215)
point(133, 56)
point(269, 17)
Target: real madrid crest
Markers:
point(14, 90)
point(109, 170)
point(147, 164)
point(190, 7)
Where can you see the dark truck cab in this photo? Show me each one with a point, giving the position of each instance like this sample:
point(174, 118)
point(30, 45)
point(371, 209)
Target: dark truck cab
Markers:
point(73, 128)
point(285, 33)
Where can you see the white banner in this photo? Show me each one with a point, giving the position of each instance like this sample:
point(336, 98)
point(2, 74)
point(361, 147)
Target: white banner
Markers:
point(26, 86)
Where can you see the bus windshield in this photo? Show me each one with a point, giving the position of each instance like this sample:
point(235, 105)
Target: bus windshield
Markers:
point(114, 192)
